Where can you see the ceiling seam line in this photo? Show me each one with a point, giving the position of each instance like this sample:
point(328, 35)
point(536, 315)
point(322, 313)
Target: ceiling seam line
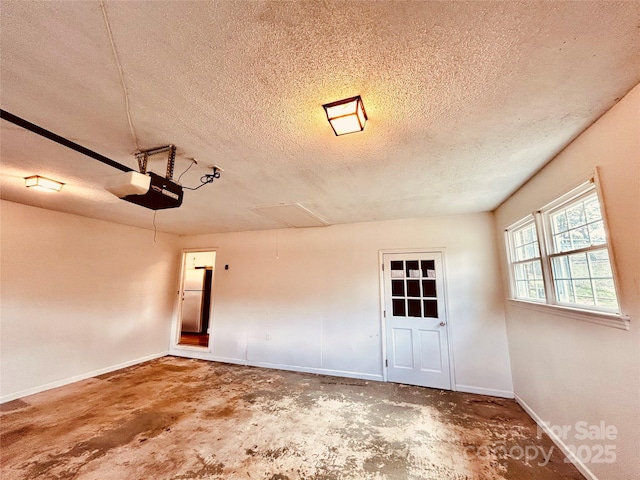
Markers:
point(132, 130)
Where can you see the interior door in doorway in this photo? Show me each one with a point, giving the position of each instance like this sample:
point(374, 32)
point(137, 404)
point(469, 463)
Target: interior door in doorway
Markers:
point(416, 320)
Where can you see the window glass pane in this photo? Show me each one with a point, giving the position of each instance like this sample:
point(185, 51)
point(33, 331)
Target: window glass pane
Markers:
point(524, 235)
point(562, 242)
point(413, 288)
point(592, 209)
point(537, 270)
point(596, 233)
point(605, 293)
point(516, 235)
point(529, 270)
point(397, 288)
point(561, 267)
point(580, 238)
point(525, 243)
point(519, 272)
point(564, 291)
point(534, 289)
point(583, 292)
point(585, 279)
point(559, 222)
point(579, 266)
point(398, 307)
point(529, 283)
point(415, 308)
point(529, 234)
point(530, 250)
point(599, 264)
point(576, 215)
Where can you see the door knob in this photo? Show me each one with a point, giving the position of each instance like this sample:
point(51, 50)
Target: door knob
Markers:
point(442, 324)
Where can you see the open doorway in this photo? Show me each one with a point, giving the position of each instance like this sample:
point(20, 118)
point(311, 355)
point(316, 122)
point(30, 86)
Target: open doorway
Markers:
point(196, 299)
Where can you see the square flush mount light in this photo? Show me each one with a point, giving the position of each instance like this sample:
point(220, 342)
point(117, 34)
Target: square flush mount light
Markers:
point(43, 184)
point(346, 116)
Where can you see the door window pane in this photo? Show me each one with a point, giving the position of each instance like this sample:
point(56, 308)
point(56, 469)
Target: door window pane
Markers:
point(429, 288)
point(413, 288)
point(397, 265)
point(415, 309)
point(431, 308)
point(397, 269)
point(412, 269)
point(428, 266)
point(398, 307)
point(397, 288)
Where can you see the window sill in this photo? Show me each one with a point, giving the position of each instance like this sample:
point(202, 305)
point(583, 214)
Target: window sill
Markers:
point(600, 318)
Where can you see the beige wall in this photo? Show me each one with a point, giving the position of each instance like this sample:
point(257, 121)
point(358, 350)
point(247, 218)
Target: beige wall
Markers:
point(320, 300)
point(564, 369)
point(79, 297)
point(82, 296)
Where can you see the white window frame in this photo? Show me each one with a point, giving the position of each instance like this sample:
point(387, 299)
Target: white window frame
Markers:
point(514, 262)
point(541, 218)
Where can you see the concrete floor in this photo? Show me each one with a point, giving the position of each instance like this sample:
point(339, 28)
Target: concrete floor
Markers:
point(182, 419)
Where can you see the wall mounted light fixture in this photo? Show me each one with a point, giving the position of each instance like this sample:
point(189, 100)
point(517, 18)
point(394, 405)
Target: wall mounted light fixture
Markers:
point(43, 184)
point(346, 116)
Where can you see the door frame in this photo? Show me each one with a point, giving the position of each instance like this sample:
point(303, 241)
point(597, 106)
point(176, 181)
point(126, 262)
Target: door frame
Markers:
point(177, 310)
point(383, 320)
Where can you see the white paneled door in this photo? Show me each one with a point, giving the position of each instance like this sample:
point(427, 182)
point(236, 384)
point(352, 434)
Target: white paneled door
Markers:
point(416, 320)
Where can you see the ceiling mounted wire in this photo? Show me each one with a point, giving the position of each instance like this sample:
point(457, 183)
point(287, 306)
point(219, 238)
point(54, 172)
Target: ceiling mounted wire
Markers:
point(193, 162)
point(134, 137)
point(207, 177)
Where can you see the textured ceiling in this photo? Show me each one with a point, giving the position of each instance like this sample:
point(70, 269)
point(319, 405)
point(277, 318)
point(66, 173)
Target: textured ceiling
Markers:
point(465, 101)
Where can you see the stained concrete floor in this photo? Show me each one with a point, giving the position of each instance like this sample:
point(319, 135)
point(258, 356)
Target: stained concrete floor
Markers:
point(180, 419)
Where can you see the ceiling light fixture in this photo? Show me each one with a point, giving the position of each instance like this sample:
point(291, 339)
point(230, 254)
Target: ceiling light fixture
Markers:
point(346, 116)
point(43, 184)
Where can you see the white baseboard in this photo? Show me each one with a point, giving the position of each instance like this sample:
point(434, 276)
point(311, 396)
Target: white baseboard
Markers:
point(484, 391)
point(204, 355)
point(77, 378)
point(584, 470)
